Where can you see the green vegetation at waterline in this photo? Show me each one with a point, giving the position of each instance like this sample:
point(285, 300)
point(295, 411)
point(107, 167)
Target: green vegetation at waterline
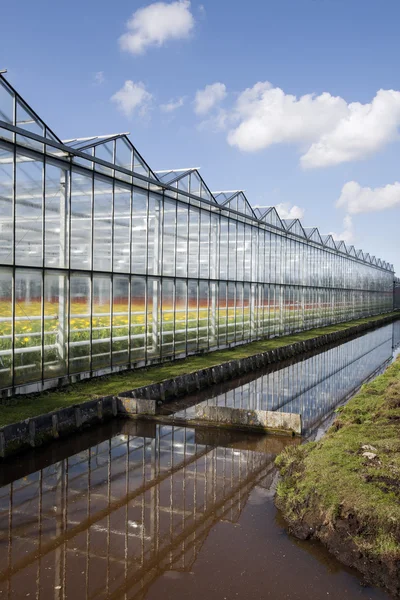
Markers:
point(345, 489)
point(23, 407)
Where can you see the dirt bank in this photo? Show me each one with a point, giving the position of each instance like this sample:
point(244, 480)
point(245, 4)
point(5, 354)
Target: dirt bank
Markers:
point(345, 489)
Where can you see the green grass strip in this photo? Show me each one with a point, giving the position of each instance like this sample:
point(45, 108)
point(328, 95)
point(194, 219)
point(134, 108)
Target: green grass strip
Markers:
point(24, 407)
point(332, 486)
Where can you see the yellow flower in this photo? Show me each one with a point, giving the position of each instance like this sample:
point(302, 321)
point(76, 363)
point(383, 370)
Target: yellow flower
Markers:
point(26, 339)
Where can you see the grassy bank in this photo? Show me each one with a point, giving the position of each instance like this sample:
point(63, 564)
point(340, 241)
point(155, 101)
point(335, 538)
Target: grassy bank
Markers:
point(35, 404)
point(345, 489)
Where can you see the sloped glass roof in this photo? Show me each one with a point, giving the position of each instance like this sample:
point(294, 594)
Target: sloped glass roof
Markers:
point(272, 217)
point(239, 202)
point(312, 233)
point(89, 142)
point(116, 149)
point(329, 241)
point(188, 180)
point(351, 250)
point(24, 117)
point(295, 227)
point(341, 246)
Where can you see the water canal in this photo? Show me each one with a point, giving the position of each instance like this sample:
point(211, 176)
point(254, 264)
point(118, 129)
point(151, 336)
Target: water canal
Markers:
point(145, 510)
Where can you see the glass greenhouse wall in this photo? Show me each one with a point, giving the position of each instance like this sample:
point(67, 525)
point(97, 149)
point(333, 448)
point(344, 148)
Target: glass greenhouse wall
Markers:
point(107, 265)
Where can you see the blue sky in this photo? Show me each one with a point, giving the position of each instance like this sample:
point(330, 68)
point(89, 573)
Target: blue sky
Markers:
point(319, 131)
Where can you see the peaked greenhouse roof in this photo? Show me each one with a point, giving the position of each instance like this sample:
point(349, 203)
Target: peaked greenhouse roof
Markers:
point(188, 180)
point(15, 111)
point(313, 234)
point(114, 148)
point(235, 200)
point(294, 226)
point(115, 154)
point(272, 218)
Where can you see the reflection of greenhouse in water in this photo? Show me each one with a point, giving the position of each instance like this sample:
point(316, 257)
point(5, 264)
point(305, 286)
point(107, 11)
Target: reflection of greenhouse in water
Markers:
point(311, 387)
point(106, 264)
point(108, 521)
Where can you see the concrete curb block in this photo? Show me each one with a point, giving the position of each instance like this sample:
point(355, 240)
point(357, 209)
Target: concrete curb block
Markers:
point(33, 432)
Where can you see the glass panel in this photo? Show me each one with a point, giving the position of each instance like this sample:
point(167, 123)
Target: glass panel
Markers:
point(193, 316)
point(205, 244)
point(105, 152)
point(223, 247)
point(153, 318)
point(81, 221)
point(231, 302)
point(232, 252)
point(213, 315)
point(195, 184)
point(120, 321)
point(27, 120)
point(138, 319)
point(203, 314)
point(80, 332)
point(55, 325)
point(123, 158)
point(101, 322)
point(154, 243)
point(6, 332)
point(180, 317)
point(214, 244)
point(168, 317)
point(6, 205)
point(56, 238)
point(122, 228)
point(222, 313)
point(28, 326)
point(102, 226)
point(182, 240)
point(169, 237)
point(139, 231)
point(28, 211)
point(194, 224)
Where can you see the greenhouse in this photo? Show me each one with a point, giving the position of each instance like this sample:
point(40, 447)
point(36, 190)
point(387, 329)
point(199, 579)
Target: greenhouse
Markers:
point(106, 264)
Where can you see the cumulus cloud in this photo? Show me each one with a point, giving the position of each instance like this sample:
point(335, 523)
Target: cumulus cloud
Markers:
point(209, 97)
point(172, 105)
point(156, 24)
point(131, 97)
point(356, 199)
point(99, 77)
point(288, 211)
point(328, 130)
point(347, 235)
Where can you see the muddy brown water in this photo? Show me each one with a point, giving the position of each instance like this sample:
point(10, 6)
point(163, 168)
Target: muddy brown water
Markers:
point(139, 510)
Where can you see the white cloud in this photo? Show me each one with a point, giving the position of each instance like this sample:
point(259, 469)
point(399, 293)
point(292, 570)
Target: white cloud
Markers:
point(131, 97)
point(155, 24)
point(172, 105)
point(328, 129)
point(356, 199)
point(216, 122)
point(288, 211)
point(206, 99)
point(99, 77)
point(347, 235)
